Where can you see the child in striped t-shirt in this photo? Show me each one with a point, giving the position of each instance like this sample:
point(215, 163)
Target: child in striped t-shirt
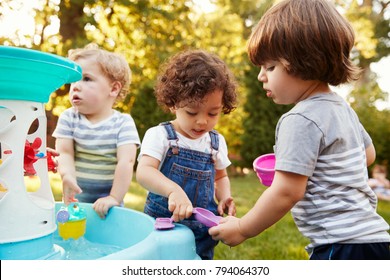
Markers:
point(97, 144)
point(322, 151)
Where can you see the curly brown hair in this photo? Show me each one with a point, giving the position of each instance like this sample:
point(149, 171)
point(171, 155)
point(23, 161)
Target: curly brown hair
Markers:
point(191, 75)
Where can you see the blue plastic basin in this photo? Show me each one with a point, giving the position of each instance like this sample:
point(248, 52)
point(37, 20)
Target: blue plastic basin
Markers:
point(134, 232)
point(33, 75)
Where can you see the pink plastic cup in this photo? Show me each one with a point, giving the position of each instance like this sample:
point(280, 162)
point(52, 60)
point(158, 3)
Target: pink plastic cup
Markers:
point(264, 167)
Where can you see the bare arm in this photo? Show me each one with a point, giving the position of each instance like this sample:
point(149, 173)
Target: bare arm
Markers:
point(370, 154)
point(122, 179)
point(150, 177)
point(223, 193)
point(67, 170)
point(286, 190)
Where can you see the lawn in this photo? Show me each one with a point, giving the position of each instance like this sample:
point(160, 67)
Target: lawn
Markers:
point(280, 242)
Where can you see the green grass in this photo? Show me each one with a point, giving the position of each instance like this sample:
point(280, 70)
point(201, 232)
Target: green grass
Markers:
point(282, 241)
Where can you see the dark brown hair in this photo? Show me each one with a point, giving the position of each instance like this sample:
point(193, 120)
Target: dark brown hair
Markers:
point(309, 37)
point(191, 75)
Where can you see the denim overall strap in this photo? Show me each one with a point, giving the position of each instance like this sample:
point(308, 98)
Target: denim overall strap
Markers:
point(194, 172)
point(214, 144)
point(214, 139)
point(170, 130)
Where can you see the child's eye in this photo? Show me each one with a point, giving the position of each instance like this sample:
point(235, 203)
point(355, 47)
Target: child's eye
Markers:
point(213, 114)
point(191, 113)
point(86, 79)
point(271, 68)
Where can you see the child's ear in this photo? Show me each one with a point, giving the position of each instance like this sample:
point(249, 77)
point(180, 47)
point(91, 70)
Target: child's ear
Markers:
point(116, 88)
point(172, 110)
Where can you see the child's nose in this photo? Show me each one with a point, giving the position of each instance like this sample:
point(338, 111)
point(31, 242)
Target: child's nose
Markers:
point(262, 77)
point(75, 86)
point(201, 120)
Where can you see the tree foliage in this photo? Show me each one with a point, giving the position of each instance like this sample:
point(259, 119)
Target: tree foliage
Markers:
point(372, 28)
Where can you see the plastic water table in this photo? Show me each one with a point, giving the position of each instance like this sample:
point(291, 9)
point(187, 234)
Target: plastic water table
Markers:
point(28, 228)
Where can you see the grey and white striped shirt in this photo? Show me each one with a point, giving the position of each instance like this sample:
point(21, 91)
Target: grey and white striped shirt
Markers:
point(322, 138)
point(96, 147)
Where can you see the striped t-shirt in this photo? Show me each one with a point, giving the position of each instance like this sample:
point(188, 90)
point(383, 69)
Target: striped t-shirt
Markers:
point(322, 138)
point(95, 148)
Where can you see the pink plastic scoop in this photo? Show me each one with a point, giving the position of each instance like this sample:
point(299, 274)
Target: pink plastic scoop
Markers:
point(204, 216)
point(164, 223)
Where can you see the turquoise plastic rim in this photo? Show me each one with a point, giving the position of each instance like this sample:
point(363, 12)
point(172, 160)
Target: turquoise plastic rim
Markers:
point(33, 75)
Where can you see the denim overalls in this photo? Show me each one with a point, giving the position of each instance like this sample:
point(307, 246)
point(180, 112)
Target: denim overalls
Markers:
point(194, 171)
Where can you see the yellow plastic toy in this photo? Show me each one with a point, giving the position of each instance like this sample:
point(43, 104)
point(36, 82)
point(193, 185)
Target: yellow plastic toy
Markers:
point(72, 221)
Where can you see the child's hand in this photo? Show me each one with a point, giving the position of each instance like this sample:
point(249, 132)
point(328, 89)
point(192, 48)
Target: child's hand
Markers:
point(102, 205)
point(70, 189)
point(227, 206)
point(228, 231)
point(52, 151)
point(180, 205)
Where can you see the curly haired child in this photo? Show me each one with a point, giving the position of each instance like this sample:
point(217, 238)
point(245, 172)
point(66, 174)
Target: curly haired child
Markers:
point(182, 160)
